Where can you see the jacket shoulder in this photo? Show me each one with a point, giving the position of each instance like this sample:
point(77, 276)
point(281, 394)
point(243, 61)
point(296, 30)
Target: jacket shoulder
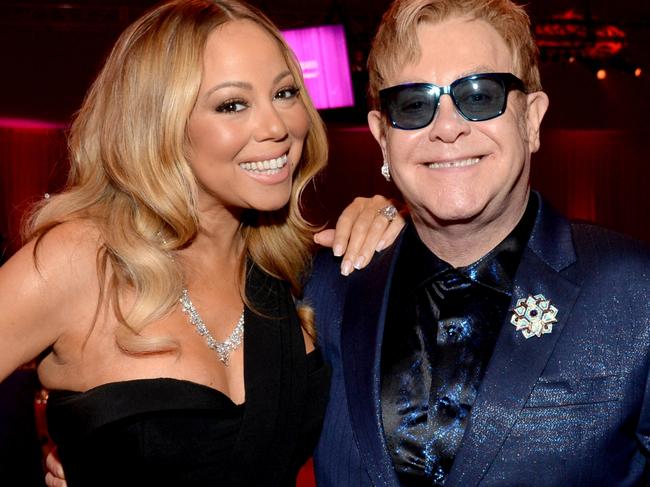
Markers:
point(324, 276)
point(325, 291)
point(612, 267)
point(604, 247)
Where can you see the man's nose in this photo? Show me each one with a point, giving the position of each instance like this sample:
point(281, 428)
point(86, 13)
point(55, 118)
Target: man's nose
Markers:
point(448, 124)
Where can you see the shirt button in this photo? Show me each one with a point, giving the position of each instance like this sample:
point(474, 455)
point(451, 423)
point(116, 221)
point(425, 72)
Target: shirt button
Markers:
point(447, 406)
point(458, 329)
point(439, 475)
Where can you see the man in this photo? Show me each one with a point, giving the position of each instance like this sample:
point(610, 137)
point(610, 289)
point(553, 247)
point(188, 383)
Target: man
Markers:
point(495, 343)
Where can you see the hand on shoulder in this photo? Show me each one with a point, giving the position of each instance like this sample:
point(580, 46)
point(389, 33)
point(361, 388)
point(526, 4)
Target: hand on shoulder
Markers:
point(366, 226)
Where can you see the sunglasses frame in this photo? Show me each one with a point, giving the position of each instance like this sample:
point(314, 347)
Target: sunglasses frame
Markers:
point(507, 80)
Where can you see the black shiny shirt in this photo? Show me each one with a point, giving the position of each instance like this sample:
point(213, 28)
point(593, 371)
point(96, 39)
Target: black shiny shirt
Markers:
point(441, 327)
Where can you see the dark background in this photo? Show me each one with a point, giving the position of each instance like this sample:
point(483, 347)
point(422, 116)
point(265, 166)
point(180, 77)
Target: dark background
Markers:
point(593, 164)
point(50, 51)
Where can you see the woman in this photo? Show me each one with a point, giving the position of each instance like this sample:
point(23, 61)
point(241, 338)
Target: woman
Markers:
point(188, 156)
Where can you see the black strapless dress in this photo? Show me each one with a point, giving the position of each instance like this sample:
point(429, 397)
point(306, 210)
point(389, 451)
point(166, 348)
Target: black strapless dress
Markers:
point(164, 432)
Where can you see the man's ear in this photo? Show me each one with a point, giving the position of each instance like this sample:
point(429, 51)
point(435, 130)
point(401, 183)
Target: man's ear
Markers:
point(537, 104)
point(378, 130)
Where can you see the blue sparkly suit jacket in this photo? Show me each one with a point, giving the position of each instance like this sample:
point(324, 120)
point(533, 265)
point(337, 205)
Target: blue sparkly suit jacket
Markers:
point(568, 408)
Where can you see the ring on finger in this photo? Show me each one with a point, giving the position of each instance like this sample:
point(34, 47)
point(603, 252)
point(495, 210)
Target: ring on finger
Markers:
point(389, 212)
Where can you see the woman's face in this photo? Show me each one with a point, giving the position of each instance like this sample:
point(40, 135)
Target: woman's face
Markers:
point(249, 123)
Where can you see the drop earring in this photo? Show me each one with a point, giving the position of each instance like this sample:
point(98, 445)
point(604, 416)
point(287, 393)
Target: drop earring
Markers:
point(385, 170)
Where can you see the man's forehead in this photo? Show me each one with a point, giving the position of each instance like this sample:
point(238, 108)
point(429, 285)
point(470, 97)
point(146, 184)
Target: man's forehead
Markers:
point(441, 52)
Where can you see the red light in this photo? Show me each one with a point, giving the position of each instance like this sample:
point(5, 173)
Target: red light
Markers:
point(29, 124)
point(601, 74)
point(637, 72)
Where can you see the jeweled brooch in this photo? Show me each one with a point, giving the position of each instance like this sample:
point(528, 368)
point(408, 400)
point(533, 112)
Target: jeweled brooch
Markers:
point(534, 315)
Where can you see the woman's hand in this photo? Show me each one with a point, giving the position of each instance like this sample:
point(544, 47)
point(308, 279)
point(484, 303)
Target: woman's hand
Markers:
point(366, 226)
point(54, 476)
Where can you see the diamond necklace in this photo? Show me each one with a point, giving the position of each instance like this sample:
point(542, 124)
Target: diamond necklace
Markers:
point(223, 349)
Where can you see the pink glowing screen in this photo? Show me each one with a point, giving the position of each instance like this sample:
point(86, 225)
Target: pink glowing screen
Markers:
point(323, 57)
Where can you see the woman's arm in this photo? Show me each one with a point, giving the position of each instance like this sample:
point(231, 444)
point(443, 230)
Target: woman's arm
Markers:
point(54, 476)
point(43, 294)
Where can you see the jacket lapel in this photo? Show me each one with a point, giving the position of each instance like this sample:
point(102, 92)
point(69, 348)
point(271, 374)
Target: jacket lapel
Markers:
point(517, 362)
point(361, 339)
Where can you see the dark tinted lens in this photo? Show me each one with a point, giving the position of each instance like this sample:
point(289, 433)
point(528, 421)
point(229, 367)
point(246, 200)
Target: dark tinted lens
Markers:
point(411, 107)
point(479, 99)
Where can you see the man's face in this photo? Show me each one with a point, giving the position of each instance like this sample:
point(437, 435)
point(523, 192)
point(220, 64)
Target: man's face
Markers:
point(454, 171)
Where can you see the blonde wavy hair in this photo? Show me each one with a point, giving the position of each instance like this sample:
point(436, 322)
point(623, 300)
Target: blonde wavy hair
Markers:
point(396, 42)
point(130, 174)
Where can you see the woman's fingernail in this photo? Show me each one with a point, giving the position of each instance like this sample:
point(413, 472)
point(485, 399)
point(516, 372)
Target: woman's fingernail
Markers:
point(338, 250)
point(380, 246)
point(346, 268)
point(359, 262)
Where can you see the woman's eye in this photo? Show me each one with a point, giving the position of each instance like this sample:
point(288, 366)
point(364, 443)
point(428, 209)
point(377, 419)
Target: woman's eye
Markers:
point(232, 106)
point(287, 93)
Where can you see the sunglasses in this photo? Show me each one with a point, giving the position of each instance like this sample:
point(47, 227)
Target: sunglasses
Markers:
point(477, 98)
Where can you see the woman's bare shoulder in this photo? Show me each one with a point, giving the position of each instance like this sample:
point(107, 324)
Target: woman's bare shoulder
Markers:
point(59, 262)
point(47, 289)
point(72, 245)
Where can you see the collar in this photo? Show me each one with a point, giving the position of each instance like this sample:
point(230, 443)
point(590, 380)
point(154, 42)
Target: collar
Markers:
point(496, 270)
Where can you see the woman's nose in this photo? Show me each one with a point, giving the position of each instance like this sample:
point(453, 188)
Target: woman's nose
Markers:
point(270, 125)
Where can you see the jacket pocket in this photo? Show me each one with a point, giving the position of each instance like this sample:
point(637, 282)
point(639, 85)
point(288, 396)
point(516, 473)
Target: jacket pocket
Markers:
point(572, 391)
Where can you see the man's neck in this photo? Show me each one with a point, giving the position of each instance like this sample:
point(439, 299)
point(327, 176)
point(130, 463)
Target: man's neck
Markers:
point(462, 244)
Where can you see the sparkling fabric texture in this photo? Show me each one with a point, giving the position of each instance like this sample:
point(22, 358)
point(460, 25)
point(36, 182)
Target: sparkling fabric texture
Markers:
point(569, 408)
point(441, 328)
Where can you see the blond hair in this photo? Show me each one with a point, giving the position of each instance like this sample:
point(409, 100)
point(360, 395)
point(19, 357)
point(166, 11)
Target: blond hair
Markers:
point(396, 42)
point(130, 173)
